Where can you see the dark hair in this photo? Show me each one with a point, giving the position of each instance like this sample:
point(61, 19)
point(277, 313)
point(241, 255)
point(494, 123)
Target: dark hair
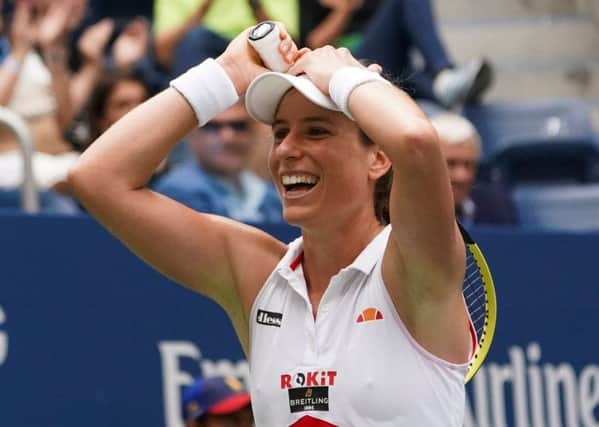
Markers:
point(382, 188)
point(102, 91)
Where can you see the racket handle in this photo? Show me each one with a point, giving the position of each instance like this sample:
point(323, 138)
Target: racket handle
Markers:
point(264, 37)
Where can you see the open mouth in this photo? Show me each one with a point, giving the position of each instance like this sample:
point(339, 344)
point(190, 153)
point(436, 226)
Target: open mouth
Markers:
point(298, 184)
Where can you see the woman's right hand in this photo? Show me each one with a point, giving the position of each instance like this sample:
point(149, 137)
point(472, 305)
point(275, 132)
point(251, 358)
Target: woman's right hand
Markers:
point(243, 64)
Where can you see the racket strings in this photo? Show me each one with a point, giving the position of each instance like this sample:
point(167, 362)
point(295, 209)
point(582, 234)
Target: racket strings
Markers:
point(475, 296)
point(479, 297)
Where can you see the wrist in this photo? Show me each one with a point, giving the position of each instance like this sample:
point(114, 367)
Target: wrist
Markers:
point(92, 61)
point(207, 88)
point(20, 52)
point(55, 55)
point(345, 80)
point(94, 68)
point(234, 72)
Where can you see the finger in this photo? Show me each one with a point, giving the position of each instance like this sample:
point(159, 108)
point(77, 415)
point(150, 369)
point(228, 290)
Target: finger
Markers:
point(283, 34)
point(300, 65)
point(284, 46)
point(376, 68)
point(346, 54)
point(287, 50)
point(301, 53)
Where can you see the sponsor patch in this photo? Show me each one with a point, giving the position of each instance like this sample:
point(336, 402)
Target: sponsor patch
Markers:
point(269, 318)
point(308, 399)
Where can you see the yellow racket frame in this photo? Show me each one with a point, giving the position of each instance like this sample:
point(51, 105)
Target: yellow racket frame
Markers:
point(484, 345)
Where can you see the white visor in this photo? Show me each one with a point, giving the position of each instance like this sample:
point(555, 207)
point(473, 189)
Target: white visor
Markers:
point(264, 95)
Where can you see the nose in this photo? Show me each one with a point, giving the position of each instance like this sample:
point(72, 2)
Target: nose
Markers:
point(226, 133)
point(461, 173)
point(288, 148)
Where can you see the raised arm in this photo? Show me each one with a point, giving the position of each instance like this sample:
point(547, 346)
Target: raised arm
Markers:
point(52, 38)
point(333, 26)
point(166, 39)
point(425, 259)
point(220, 258)
point(91, 45)
point(21, 41)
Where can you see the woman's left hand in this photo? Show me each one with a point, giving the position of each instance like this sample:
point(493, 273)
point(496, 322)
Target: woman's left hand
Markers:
point(320, 64)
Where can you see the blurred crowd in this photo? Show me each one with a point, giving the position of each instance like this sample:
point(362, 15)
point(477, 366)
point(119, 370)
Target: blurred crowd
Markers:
point(71, 68)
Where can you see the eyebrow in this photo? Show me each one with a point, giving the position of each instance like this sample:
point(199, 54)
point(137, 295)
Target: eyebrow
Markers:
point(309, 119)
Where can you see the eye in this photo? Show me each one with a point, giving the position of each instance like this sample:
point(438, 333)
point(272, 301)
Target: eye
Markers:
point(316, 132)
point(280, 133)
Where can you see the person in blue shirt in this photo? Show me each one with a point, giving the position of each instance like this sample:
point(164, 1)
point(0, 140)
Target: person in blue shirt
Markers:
point(476, 201)
point(215, 178)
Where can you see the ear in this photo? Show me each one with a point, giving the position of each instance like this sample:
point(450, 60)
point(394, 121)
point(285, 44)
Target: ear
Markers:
point(379, 163)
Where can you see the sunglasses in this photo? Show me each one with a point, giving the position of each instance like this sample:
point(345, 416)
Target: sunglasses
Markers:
point(236, 125)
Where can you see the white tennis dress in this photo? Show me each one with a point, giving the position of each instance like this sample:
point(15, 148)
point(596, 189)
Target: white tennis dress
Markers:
point(356, 365)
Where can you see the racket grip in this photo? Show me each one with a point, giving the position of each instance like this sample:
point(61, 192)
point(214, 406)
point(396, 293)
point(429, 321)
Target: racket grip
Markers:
point(264, 38)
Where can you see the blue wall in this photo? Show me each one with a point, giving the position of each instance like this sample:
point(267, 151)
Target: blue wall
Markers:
point(90, 335)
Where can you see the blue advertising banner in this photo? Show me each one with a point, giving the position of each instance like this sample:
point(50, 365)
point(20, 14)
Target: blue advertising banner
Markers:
point(91, 335)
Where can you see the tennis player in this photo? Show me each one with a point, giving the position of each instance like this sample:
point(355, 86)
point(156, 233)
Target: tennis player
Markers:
point(360, 321)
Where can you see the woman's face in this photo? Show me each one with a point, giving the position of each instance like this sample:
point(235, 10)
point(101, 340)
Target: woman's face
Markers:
point(319, 164)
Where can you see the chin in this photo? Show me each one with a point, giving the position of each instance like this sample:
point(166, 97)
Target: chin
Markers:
point(297, 216)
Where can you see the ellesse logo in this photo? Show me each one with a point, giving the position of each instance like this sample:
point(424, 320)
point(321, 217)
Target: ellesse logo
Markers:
point(269, 318)
point(369, 314)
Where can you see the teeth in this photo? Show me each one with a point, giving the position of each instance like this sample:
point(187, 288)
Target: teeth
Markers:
point(298, 179)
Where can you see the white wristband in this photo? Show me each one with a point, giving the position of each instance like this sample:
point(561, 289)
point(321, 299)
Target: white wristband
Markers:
point(345, 80)
point(208, 89)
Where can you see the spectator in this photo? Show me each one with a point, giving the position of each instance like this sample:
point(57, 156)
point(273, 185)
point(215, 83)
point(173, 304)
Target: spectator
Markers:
point(217, 402)
point(127, 44)
point(335, 22)
point(42, 89)
point(187, 32)
point(480, 203)
point(215, 179)
point(36, 87)
point(398, 27)
point(115, 94)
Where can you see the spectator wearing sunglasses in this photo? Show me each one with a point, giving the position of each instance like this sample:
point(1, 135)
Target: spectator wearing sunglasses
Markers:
point(215, 179)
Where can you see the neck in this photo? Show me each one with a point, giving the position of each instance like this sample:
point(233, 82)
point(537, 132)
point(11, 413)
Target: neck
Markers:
point(326, 251)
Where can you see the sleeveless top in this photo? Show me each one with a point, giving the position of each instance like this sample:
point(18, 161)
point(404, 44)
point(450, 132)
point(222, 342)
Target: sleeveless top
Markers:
point(355, 365)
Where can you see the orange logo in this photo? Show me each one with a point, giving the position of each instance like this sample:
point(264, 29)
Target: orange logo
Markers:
point(369, 314)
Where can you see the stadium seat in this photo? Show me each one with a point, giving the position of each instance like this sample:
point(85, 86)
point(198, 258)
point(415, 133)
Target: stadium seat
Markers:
point(550, 140)
point(559, 207)
point(509, 124)
point(50, 202)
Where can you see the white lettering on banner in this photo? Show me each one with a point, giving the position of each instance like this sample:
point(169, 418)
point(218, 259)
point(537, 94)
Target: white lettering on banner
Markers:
point(3, 339)
point(174, 378)
point(541, 395)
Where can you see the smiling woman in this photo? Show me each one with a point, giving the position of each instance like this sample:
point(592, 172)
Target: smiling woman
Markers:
point(377, 271)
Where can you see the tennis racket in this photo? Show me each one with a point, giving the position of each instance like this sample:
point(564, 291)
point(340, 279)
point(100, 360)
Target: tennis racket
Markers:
point(479, 295)
point(264, 37)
